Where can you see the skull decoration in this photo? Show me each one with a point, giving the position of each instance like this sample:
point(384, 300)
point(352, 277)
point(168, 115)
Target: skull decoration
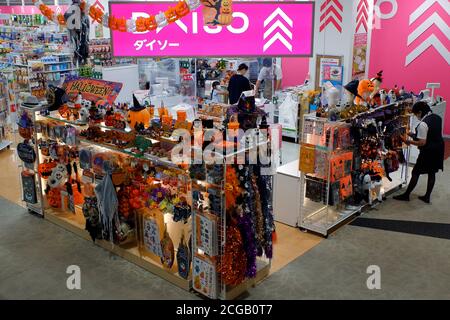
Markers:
point(84, 115)
point(58, 176)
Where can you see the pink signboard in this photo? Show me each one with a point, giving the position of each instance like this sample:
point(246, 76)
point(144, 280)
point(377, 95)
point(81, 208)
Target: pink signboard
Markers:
point(258, 29)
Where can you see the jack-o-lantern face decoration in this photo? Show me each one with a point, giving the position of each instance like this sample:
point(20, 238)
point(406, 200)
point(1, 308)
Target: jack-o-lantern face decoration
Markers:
point(365, 88)
point(54, 198)
point(138, 115)
point(45, 169)
point(226, 7)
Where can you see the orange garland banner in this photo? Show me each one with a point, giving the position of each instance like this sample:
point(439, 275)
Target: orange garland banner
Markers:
point(141, 24)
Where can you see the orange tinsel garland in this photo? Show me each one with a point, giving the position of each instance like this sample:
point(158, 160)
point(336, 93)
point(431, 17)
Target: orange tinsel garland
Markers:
point(234, 262)
point(232, 189)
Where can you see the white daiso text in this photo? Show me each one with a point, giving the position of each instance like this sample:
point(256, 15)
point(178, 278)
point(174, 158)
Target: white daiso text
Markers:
point(241, 23)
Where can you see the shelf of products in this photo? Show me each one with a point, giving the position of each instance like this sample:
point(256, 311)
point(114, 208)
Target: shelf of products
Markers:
point(347, 165)
point(163, 211)
point(101, 56)
point(35, 75)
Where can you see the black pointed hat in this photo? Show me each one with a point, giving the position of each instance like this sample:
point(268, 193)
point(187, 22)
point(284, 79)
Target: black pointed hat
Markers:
point(136, 105)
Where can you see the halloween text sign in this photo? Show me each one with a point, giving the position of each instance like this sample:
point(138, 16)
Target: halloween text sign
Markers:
point(93, 90)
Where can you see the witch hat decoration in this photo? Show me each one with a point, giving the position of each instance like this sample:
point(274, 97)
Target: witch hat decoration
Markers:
point(136, 105)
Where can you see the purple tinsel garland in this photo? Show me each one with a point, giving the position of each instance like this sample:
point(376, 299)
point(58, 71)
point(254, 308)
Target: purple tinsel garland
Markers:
point(246, 226)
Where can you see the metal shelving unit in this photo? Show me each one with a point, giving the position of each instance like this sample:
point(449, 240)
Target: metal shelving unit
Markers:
point(319, 211)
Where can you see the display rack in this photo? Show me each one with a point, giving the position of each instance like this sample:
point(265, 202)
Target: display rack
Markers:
point(134, 249)
point(330, 165)
point(38, 206)
point(37, 75)
point(216, 256)
point(4, 110)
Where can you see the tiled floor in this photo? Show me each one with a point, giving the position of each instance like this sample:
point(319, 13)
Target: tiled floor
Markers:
point(34, 255)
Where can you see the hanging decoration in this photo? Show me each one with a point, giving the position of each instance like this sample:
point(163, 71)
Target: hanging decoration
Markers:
point(222, 15)
point(217, 12)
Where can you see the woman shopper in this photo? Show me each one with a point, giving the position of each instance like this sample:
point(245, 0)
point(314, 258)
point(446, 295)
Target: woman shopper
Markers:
point(238, 84)
point(428, 138)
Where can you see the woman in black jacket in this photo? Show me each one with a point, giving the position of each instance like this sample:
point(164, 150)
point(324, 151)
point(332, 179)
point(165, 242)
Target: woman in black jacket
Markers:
point(428, 138)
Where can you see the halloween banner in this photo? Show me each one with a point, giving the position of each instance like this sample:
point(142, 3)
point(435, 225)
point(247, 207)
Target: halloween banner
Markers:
point(93, 90)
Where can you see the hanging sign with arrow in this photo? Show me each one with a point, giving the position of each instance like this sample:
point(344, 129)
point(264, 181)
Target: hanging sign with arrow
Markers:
point(258, 29)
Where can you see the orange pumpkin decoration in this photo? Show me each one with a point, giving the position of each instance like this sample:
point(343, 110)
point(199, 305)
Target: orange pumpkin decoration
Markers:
point(96, 14)
point(365, 88)
point(182, 9)
point(171, 15)
point(141, 25)
point(225, 17)
point(122, 25)
point(45, 169)
point(113, 23)
point(151, 23)
point(61, 19)
point(138, 114)
point(54, 198)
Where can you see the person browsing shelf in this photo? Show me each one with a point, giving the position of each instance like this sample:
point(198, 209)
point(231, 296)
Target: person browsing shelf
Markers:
point(428, 138)
point(238, 84)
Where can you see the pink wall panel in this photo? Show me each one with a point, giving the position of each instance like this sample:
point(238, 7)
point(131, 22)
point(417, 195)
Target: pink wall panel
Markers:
point(389, 50)
point(295, 71)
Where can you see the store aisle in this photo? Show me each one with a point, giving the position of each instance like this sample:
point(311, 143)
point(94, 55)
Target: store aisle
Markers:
point(34, 255)
point(412, 266)
point(10, 173)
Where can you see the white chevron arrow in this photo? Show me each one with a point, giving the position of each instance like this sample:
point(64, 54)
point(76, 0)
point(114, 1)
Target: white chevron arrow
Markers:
point(278, 24)
point(278, 12)
point(425, 6)
point(431, 41)
point(433, 19)
point(279, 37)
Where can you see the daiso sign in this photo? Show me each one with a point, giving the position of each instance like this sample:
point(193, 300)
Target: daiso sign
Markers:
point(258, 29)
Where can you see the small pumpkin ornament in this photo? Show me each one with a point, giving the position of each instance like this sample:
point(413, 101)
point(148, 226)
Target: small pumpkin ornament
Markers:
point(45, 169)
point(365, 89)
point(138, 115)
point(225, 16)
point(168, 250)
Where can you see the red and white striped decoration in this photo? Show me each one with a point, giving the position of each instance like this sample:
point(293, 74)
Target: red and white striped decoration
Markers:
point(362, 15)
point(331, 13)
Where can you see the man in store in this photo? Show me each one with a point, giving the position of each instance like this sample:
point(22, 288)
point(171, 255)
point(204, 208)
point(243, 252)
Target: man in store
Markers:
point(238, 84)
point(271, 75)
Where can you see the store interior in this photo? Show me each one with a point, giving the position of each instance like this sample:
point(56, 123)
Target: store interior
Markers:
point(87, 139)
